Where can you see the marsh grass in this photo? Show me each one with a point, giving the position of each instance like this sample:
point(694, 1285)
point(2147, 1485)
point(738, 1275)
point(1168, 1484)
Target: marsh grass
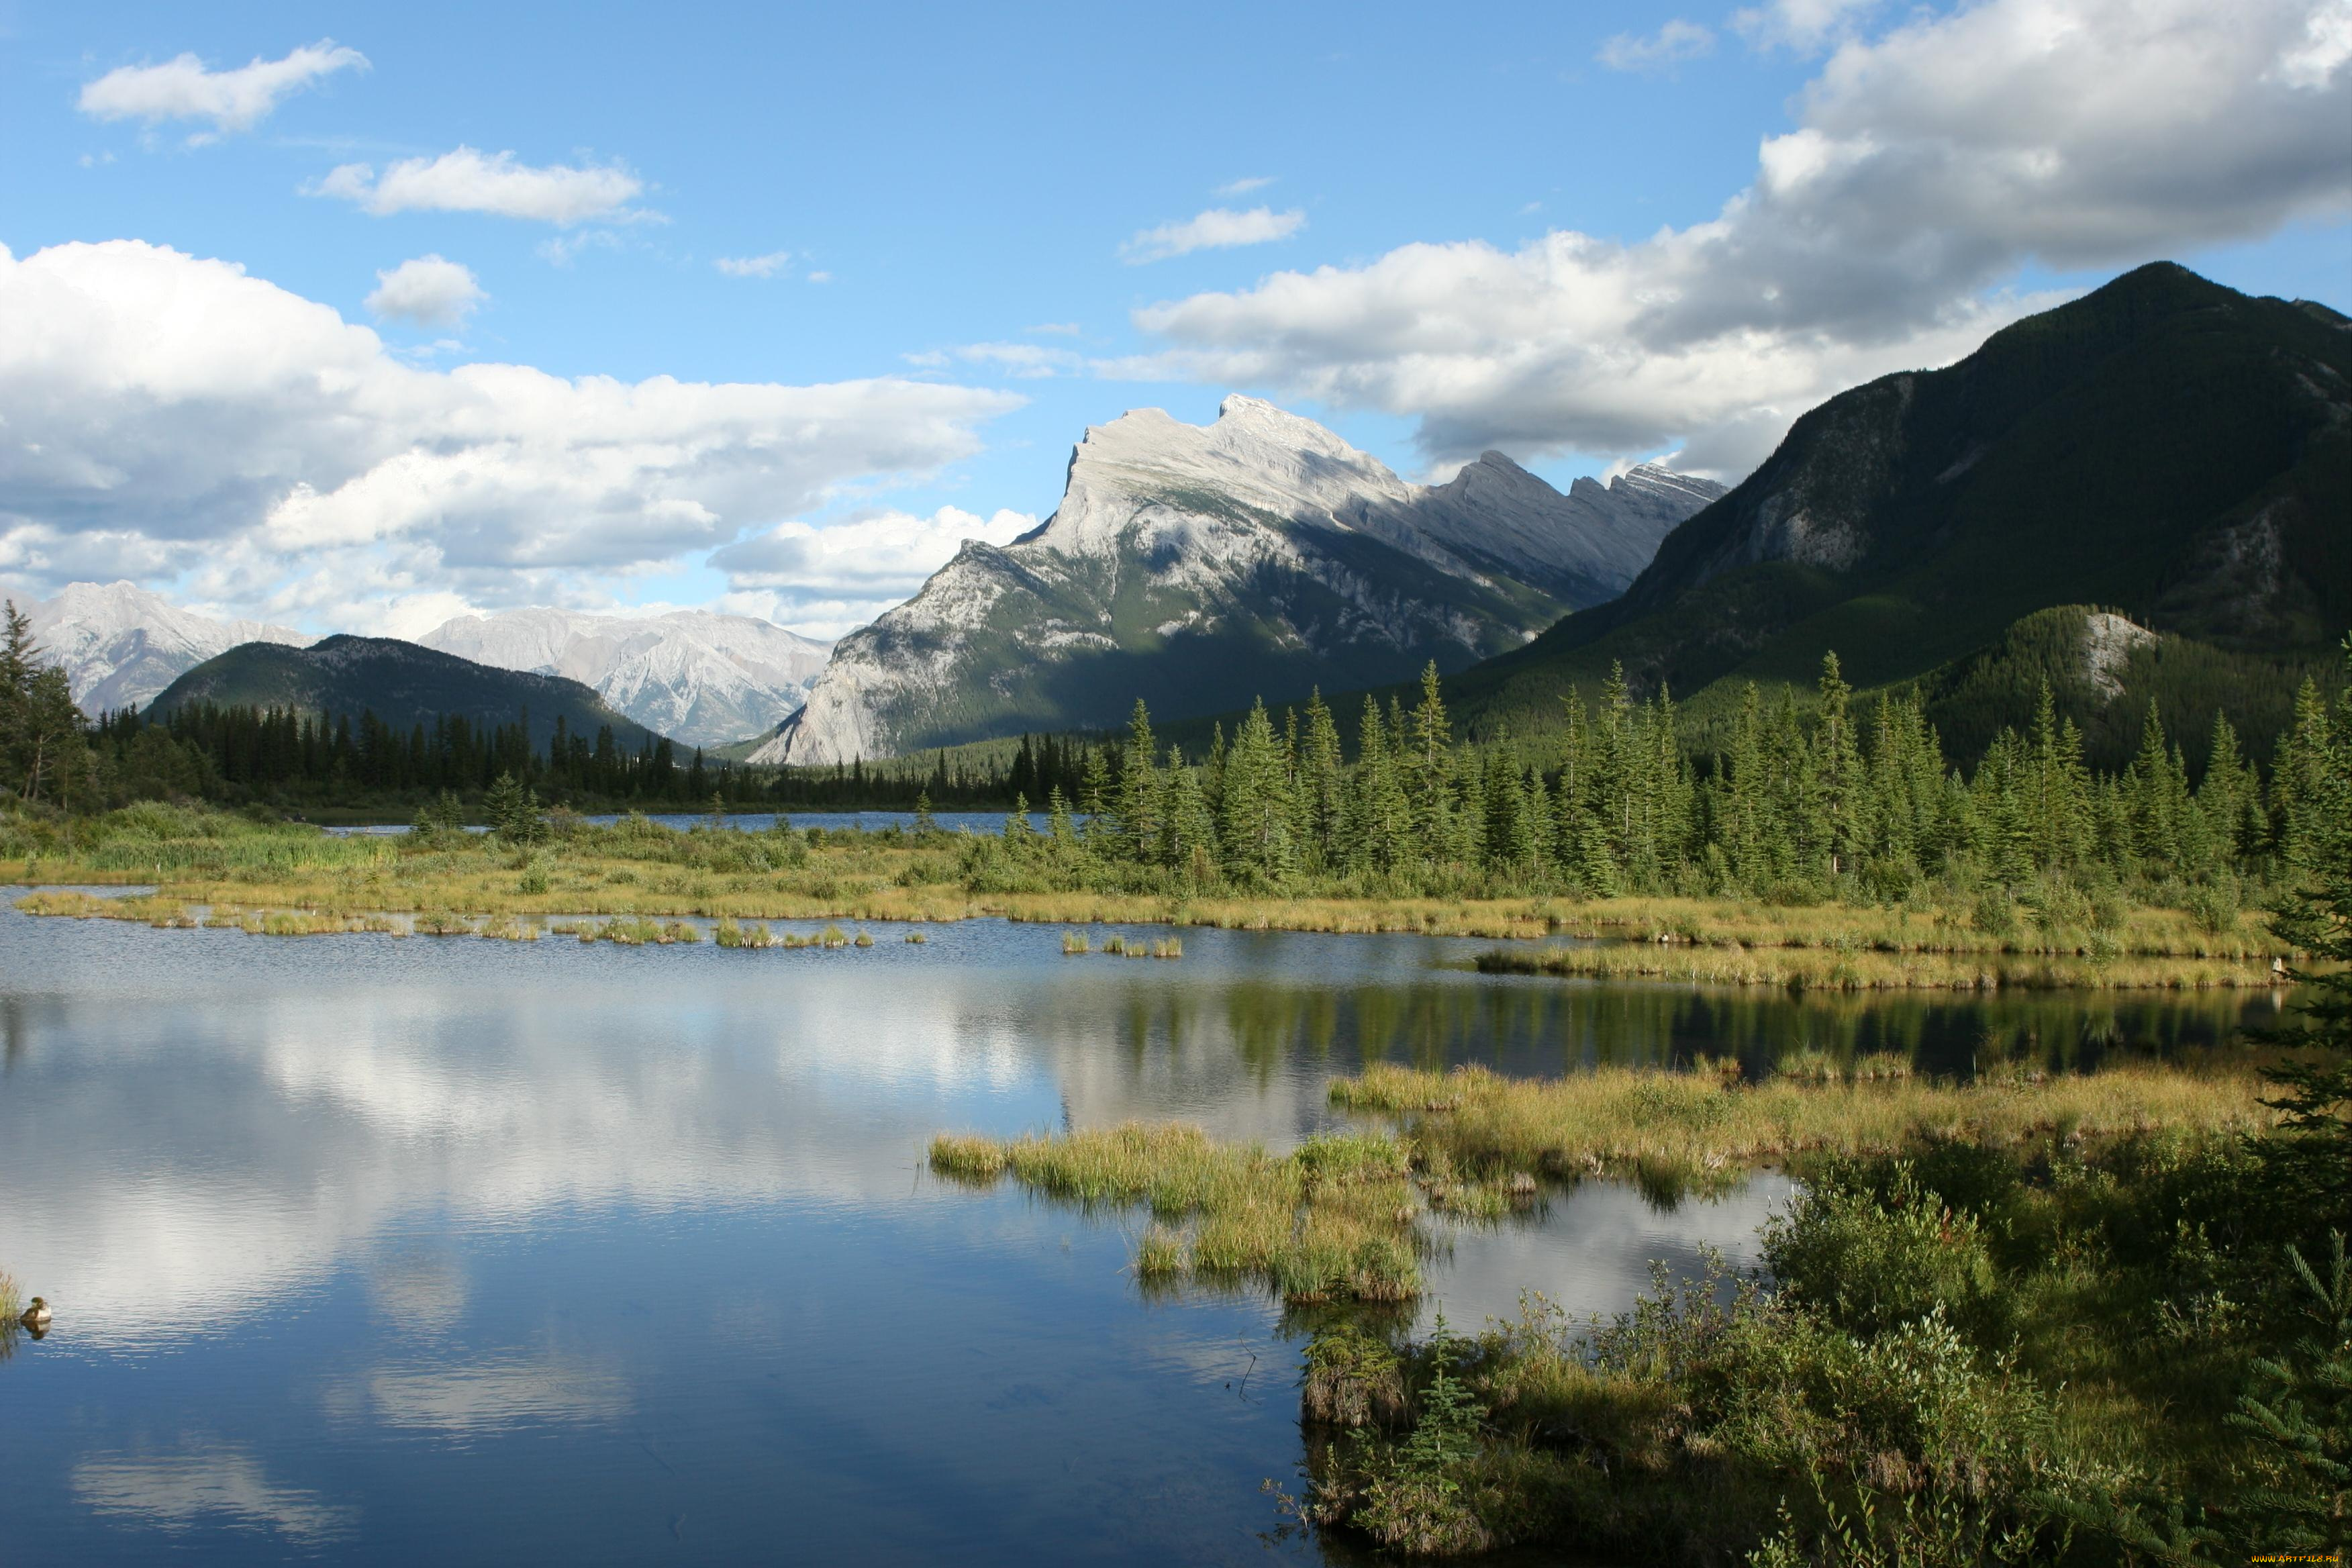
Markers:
point(1859, 969)
point(1073, 944)
point(732, 934)
point(639, 868)
point(1674, 1132)
point(1330, 1222)
point(12, 1302)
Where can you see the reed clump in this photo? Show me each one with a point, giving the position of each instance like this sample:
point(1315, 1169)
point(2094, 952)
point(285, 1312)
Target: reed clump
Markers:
point(1073, 944)
point(1853, 968)
point(1330, 1222)
point(1688, 1131)
point(732, 934)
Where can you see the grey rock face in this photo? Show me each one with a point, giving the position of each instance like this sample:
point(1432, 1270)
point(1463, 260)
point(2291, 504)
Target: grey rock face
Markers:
point(697, 676)
point(120, 645)
point(1199, 566)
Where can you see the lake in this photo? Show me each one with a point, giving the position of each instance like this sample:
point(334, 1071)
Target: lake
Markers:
point(376, 1250)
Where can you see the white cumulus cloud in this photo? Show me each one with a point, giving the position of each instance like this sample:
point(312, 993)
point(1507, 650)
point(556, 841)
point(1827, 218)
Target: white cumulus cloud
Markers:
point(427, 291)
point(1928, 164)
point(238, 100)
point(168, 415)
point(766, 266)
point(829, 579)
point(1212, 230)
point(468, 180)
point(1672, 44)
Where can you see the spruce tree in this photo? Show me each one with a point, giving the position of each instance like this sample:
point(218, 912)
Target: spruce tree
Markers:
point(1138, 790)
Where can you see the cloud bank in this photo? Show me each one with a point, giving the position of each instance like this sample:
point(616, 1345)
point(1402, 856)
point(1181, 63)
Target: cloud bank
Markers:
point(170, 417)
point(233, 100)
point(1927, 164)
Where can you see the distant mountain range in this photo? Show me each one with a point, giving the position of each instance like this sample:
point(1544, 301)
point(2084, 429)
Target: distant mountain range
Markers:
point(122, 645)
point(2164, 448)
point(1198, 566)
point(699, 676)
point(702, 678)
point(400, 682)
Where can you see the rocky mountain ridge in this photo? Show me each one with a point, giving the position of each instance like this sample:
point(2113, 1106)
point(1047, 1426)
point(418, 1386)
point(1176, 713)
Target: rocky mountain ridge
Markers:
point(1198, 566)
point(120, 645)
point(699, 676)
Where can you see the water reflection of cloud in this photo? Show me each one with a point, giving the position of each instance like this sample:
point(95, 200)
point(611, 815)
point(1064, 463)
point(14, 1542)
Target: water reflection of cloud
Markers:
point(1593, 1250)
point(487, 1395)
point(213, 1149)
point(218, 1485)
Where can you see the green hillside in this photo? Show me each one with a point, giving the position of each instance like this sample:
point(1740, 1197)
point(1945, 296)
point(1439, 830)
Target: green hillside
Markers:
point(2164, 446)
point(399, 682)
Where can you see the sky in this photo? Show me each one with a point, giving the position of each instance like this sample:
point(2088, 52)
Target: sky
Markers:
point(356, 318)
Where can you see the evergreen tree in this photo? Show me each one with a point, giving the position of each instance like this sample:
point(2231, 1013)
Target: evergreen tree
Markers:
point(1254, 807)
point(1139, 789)
point(1188, 843)
point(1838, 769)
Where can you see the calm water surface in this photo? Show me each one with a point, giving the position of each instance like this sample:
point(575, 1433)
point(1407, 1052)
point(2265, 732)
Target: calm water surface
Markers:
point(375, 1249)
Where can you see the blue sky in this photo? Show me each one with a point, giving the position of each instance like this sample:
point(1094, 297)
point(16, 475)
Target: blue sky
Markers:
point(1496, 224)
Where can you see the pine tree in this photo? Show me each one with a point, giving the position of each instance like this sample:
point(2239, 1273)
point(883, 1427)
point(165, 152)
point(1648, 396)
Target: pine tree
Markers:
point(1322, 787)
point(1138, 790)
point(1254, 810)
point(1188, 845)
point(1838, 768)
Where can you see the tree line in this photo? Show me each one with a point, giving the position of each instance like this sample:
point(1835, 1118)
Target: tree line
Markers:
point(53, 755)
point(1846, 798)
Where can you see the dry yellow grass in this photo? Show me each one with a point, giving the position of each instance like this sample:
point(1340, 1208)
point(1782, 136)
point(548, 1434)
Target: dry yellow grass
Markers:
point(663, 874)
point(1708, 1129)
point(1332, 1221)
point(1852, 969)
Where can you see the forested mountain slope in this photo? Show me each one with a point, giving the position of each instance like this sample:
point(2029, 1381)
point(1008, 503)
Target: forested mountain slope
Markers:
point(400, 683)
point(2164, 448)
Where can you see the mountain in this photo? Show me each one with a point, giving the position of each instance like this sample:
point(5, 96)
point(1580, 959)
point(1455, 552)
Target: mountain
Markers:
point(2165, 447)
point(400, 682)
point(119, 645)
point(2103, 671)
point(702, 678)
point(1198, 566)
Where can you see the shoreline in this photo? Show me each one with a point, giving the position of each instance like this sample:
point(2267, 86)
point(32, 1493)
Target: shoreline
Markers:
point(1701, 943)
